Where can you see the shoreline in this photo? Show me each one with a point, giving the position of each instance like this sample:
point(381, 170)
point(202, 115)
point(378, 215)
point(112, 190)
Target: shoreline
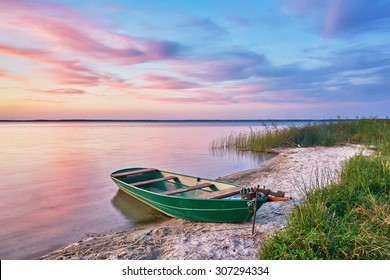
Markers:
point(184, 240)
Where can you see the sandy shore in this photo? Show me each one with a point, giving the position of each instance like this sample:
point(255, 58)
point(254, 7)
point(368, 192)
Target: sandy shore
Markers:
point(179, 239)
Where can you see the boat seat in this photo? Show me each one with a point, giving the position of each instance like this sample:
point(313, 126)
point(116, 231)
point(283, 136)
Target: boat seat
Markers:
point(137, 184)
point(221, 194)
point(187, 189)
point(136, 172)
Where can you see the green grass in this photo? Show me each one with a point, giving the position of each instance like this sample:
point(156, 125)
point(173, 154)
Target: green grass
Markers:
point(346, 220)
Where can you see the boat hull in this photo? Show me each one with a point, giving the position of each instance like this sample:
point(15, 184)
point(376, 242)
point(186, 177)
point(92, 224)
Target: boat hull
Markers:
point(224, 210)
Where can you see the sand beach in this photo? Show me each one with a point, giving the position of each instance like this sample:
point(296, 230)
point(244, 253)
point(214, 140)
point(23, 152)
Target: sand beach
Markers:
point(290, 170)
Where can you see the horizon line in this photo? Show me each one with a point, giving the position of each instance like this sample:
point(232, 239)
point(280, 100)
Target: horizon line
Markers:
point(178, 120)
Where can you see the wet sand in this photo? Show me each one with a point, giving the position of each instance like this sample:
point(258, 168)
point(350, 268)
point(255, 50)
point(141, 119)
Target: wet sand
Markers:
point(291, 170)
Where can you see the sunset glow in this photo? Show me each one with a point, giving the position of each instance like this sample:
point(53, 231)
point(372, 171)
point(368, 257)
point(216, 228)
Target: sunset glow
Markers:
point(194, 59)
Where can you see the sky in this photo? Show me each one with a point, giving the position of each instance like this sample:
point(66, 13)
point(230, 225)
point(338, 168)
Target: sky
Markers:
point(204, 59)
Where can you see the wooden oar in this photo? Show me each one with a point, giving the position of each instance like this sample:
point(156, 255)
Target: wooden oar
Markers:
point(274, 199)
point(254, 214)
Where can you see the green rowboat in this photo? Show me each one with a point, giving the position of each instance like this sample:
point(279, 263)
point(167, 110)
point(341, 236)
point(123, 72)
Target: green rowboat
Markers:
point(187, 197)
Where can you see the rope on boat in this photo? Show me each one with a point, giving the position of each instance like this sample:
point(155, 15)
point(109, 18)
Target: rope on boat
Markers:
point(252, 195)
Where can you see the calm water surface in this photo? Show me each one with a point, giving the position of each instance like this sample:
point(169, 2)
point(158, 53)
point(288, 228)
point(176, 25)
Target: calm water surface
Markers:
point(54, 177)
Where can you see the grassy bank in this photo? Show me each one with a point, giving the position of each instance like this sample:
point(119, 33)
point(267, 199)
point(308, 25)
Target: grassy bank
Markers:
point(347, 220)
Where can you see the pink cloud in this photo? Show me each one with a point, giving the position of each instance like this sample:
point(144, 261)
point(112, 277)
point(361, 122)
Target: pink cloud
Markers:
point(40, 56)
point(30, 54)
point(116, 83)
point(9, 76)
point(66, 72)
point(193, 96)
point(330, 24)
point(65, 77)
point(57, 33)
point(41, 100)
point(71, 38)
point(217, 96)
point(251, 87)
point(235, 94)
point(63, 91)
point(63, 30)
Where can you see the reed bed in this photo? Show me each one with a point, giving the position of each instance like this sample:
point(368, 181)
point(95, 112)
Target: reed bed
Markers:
point(364, 131)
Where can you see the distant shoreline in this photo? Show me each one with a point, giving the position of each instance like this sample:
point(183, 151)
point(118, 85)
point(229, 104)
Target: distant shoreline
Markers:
point(183, 121)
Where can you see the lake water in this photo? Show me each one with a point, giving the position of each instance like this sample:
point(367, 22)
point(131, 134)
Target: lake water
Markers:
point(55, 184)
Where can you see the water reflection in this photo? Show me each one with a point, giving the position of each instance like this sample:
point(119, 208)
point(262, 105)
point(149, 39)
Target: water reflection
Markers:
point(242, 156)
point(62, 171)
point(136, 212)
